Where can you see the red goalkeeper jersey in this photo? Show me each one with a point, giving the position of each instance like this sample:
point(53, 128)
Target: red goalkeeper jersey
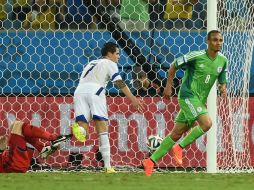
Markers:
point(17, 158)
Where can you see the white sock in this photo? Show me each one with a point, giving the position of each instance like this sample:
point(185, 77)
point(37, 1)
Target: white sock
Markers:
point(105, 149)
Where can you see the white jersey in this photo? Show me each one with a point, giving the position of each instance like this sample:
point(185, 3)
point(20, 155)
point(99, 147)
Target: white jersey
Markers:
point(96, 76)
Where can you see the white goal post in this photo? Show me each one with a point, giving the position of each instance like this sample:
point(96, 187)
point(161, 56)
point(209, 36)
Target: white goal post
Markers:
point(42, 55)
point(212, 98)
point(236, 24)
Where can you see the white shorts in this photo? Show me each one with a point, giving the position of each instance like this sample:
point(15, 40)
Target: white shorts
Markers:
point(89, 106)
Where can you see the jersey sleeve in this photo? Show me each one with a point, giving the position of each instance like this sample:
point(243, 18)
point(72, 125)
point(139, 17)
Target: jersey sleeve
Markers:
point(182, 62)
point(113, 72)
point(223, 76)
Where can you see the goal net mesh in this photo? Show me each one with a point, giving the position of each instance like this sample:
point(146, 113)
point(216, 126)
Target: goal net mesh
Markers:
point(235, 147)
point(44, 45)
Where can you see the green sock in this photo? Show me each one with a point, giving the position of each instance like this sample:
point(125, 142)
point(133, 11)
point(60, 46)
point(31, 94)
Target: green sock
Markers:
point(195, 133)
point(165, 146)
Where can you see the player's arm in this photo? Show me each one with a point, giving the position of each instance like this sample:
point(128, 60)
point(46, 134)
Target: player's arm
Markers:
point(171, 75)
point(125, 89)
point(223, 79)
point(180, 62)
point(223, 89)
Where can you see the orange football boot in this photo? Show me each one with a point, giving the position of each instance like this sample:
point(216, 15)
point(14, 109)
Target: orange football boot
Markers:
point(178, 154)
point(148, 166)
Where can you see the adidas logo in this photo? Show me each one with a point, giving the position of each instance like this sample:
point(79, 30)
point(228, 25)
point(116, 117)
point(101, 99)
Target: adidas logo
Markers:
point(45, 150)
point(60, 139)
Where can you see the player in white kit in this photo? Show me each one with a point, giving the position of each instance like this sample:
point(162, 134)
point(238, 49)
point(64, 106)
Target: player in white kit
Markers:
point(90, 99)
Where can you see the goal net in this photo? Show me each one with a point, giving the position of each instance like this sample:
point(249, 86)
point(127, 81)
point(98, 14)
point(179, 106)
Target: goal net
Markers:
point(234, 136)
point(44, 45)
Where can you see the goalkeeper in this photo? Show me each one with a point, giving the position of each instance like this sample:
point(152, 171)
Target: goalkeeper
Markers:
point(16, 156)
point(202, 68)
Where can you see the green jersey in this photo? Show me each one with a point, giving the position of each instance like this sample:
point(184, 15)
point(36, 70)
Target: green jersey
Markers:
point(201, 72)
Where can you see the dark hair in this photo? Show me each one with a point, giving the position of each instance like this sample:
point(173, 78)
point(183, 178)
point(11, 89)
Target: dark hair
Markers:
point(108, 47)
point(212, 32)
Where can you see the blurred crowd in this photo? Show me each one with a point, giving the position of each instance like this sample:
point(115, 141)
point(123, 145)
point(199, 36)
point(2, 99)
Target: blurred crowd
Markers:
point(89, 14)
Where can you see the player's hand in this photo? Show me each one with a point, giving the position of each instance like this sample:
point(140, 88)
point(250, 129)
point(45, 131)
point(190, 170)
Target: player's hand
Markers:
point(138, 104)
point(223, 91)
point(167, 92)
point(3, 142)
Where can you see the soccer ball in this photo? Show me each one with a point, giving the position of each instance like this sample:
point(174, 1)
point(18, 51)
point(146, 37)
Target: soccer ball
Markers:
point(153, 142)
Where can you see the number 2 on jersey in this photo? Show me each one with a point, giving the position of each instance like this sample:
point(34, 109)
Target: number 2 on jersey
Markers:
point(207, 79)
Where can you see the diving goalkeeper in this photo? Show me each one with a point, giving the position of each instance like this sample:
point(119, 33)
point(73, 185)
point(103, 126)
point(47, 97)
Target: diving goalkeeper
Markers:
point(15, 155)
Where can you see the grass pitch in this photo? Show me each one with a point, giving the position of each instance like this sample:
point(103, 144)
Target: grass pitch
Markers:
point(126, 181)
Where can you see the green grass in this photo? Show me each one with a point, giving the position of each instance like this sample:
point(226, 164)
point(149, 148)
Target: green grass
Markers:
point(126, 181)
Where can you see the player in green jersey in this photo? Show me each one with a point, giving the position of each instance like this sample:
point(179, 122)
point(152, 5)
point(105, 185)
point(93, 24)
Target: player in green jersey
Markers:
point(202, 69)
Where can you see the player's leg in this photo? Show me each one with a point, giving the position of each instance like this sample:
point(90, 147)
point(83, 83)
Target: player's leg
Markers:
point(80, 130)
point(195, 111)
point(205, 123)
point(35, 143)
point(100, 116)
point(17, 128)
point(26, 131)
point(32, 135)
point(104, 145)
point(82, 116)
point(30, 131)
point(168, 142)
point(52, 147)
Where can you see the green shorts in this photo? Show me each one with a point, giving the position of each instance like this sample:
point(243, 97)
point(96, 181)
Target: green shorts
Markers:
point(190, 110)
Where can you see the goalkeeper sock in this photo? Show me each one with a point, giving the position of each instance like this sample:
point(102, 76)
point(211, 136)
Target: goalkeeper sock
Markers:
point(105, 149)
point(165, 146)
point(35, 143)
point(195, 133)
point(36, 132)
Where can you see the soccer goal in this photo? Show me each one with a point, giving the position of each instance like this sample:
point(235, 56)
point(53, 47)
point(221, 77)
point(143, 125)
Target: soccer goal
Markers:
point(234, 127)
point(44, 47)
